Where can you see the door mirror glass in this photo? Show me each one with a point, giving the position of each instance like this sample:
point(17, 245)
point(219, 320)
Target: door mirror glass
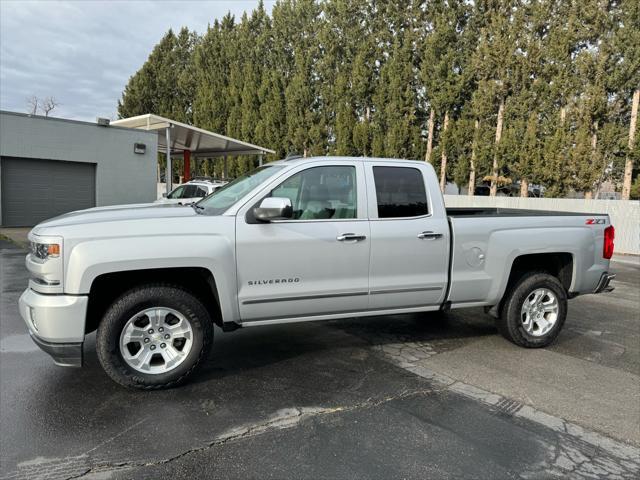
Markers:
point(273, 208)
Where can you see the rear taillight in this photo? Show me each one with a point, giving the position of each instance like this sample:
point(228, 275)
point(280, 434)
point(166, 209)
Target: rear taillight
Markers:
point(607, 248)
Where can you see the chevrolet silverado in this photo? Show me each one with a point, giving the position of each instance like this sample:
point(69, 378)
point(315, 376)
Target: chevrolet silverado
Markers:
point(298, 240)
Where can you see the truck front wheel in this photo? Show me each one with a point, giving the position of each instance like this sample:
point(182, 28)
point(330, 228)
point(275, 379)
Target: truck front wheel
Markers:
point(154, 336)
point(533, 310)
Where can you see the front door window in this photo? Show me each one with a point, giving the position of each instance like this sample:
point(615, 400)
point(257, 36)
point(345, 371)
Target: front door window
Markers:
point(321, 193)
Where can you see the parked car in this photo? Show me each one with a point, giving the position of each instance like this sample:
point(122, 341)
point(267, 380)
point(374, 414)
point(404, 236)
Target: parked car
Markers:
point(191, 191)
point(293, 241)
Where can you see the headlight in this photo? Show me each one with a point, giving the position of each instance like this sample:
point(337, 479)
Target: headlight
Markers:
point(44, 251)
point(44, 263)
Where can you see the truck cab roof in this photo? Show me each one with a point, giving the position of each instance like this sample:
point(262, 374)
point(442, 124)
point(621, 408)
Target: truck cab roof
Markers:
point(302, 160)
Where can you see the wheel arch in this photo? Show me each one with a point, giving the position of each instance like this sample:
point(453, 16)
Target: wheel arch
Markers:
point(558, 264)
point(107, 287)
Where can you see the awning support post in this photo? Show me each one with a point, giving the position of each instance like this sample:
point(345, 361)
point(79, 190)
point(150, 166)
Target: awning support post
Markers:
point(187, 165)
point(260, 160)
point(168, 174)
point(225, 171)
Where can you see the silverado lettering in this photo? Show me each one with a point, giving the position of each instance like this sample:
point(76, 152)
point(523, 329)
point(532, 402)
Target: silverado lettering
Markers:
point(272, 281)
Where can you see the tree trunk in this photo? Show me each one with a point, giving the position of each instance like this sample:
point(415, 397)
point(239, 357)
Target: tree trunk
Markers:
point(524, 188)
point(494, 170)
point(443, 163)
point(594, 144)
point(628, 167)
point(472, 165)
point(432, 119)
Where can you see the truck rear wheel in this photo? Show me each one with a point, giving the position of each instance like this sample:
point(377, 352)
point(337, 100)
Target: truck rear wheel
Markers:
point(154, 337)
point(533, 311)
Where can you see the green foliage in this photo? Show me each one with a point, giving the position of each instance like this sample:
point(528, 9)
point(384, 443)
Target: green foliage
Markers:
point(395, 110)
point(163, 85)
point(355, 77)
point(459, 144)
point(635, 189)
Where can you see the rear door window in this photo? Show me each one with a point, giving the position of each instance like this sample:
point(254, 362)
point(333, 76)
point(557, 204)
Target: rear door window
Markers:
point(190, 191)
point(400, 192)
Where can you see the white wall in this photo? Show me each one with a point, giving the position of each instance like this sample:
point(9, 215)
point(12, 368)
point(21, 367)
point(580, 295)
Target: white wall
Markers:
point(161, 188)
point(624, 214)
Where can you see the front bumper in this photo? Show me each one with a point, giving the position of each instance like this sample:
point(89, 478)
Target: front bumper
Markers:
point(56, 324)
point(63, 354)
point(603, 284)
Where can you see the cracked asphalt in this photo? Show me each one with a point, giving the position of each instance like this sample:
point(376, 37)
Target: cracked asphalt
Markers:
point(412, 396)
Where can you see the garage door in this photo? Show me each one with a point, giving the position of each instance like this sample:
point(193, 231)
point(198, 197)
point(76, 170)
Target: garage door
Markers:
point(34, 190)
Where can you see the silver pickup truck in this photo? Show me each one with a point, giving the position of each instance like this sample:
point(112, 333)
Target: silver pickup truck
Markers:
point(298, 240)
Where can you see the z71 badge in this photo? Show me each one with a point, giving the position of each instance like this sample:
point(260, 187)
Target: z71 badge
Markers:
point(595, 221)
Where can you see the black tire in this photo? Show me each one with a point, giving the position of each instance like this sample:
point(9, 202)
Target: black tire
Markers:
point(510, 322)
point(136, 300)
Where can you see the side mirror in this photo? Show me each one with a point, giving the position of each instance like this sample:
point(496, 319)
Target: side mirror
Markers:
point(273, 208)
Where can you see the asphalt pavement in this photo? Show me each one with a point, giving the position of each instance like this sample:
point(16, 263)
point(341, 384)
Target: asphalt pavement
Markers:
point(411, 396)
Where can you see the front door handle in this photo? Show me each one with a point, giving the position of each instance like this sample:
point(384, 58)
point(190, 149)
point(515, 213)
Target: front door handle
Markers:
point(350, 237)
point(429, 235)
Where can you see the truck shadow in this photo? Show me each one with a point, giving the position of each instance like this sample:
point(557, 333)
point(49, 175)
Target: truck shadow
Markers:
point(443, 331)
point(250, 373)
point(246, 350)
point(290, 351)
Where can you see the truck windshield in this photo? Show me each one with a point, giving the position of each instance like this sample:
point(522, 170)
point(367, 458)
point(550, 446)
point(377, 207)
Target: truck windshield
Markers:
point(224, 197)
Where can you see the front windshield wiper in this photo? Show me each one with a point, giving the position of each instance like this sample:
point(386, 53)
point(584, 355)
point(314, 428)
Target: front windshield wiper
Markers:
point(196, 207)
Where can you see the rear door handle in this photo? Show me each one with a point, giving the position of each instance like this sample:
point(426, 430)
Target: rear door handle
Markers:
point(350, 237)
point(429, 235)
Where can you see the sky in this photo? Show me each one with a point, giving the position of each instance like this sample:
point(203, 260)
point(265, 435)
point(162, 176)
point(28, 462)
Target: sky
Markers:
point(82, 52)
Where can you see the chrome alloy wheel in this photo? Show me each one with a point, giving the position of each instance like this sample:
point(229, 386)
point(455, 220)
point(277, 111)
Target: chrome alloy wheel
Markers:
point(156, 340)
point(539, 312)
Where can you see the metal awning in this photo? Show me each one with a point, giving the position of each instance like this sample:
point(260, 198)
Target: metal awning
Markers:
point(183, 137)
point(189, 140)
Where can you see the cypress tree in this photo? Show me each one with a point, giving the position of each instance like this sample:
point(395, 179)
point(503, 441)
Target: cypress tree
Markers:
point(444, 71)
point(541, 91)
point(211, 76)
point(305, 129)
point(396, 129)
point(625, 79)
point(364, 75)
point(161, 86)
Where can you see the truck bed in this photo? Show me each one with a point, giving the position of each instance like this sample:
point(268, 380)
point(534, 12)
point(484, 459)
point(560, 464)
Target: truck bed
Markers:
point(509, 212)
point(486, 242)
